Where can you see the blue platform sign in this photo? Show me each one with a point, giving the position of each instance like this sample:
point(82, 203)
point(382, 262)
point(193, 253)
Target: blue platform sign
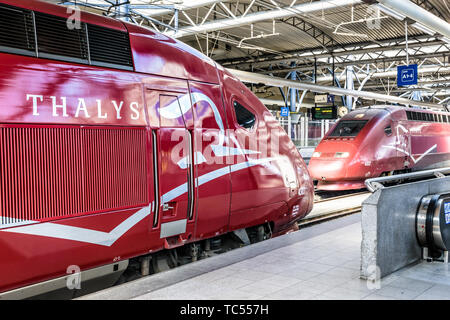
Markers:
point(407, 75)
point(330, 99)
point(284, 111)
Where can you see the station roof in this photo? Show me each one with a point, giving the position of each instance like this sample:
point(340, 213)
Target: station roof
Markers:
point(305, 37)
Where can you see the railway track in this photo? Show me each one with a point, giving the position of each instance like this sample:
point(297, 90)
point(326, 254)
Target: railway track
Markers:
point(328, 216)
point(340, 197)
point(322, 195)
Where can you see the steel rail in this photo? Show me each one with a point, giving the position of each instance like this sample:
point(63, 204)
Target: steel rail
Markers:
point(340, 197)
point(328, 216)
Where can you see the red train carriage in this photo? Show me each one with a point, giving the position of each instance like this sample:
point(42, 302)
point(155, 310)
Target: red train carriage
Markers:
point(118, 142)
point(377, 141)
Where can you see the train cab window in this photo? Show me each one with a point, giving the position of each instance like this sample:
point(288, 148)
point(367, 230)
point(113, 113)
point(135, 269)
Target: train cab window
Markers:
point(349, 128)
point(388, 130)
point(244, 117)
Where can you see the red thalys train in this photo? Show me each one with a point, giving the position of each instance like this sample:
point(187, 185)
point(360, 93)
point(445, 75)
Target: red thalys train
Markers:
point(380, 141)
point(118, 142)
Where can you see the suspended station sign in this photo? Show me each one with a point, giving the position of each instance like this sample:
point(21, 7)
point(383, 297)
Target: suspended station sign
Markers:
point(324, 98)
point(407, 75)
point(284, 112)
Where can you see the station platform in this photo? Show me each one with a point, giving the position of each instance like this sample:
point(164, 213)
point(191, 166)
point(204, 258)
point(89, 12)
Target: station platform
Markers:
point(319, 262)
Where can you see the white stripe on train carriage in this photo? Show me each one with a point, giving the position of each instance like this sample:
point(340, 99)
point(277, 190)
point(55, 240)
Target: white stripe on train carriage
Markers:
point(410, 155)
point(65, 232)
point(55, 230)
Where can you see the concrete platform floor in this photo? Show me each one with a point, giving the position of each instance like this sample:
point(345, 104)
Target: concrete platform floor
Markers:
point(323, 266)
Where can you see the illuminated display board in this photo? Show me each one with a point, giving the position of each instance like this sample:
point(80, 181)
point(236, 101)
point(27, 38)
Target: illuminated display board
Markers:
point(324, 113)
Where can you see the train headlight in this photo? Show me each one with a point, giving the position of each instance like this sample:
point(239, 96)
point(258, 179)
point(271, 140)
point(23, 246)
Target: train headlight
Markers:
point(341, 155)
point(317, 154)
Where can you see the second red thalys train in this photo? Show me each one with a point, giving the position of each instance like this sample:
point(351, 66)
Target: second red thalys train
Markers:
point(378, 141)
point(117, 143)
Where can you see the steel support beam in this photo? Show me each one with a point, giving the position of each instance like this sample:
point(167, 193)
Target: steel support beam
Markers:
point(378, 60)
point(279, 82)
point(324, 40)
point(248, 19)
point(280, 103)
point(418, 14)
point(187, 5)
point(337, 51)
point(427, 5)
point(393, 73)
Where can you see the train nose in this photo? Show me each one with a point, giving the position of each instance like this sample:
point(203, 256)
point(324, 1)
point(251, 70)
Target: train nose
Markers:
point(328, 169)
point(331, 160)
point(305, 191)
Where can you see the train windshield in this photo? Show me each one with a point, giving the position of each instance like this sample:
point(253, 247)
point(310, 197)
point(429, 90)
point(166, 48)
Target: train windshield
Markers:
point(348, 128)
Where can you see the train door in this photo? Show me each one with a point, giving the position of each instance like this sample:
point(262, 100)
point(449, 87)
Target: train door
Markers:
point(171, 119)
point(211, 149)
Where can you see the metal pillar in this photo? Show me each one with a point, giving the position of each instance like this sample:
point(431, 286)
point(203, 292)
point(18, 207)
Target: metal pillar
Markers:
point(293, 102)
point(290, 126)
point(123, 11)
point(293, 92)
point(306, 130)
point(416, 96)
point(302, 132)
point(349, 85)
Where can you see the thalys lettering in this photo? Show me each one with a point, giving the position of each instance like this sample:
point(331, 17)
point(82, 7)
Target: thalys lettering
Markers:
point(61, 105)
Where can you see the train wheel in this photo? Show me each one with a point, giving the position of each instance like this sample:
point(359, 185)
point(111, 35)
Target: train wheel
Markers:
point(163, 261)
point(260, 234)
